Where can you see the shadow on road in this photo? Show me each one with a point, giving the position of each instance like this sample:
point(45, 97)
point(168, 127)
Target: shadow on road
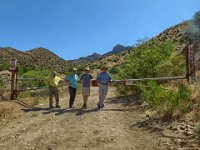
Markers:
point(84, 111)
point(58, 111)
point(78, 111)
point(33, 109)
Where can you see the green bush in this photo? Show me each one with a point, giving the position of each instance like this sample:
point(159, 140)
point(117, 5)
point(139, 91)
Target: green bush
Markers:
point(114, 70)
point(5, 66)
point(167, 101)
point(152, 59)
point(40, 74)
point(22, 69)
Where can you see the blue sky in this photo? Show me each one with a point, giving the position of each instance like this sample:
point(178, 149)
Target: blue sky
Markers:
point(75, 28)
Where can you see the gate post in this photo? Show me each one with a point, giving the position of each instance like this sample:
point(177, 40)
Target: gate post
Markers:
point(187, 64)
point(13, 64)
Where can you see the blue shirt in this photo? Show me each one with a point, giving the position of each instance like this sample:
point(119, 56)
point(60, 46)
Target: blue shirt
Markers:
point(104, 78)
point(72, 80)
point(86, 79)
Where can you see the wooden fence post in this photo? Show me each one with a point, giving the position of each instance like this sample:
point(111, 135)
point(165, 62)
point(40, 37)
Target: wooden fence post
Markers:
point(12, 90)
point(13, 64)
point(187, 64)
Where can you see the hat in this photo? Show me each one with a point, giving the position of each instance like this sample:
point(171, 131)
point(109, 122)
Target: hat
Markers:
point(74, 69)
point(104, 67)
point(87, 68)
point(54, 72)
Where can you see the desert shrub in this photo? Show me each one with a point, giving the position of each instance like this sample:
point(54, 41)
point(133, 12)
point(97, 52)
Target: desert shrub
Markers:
point(166, 101)
point(22, 69)
point(41, 74)
point(80, 69)
point(6, 111)
point(152, 59)
point(114, 70)
point(5, 66)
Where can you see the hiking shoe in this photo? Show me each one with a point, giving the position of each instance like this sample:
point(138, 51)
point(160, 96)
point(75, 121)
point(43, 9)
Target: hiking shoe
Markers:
point(71, 106)
point(99, 106)
point(51, 106)
point(84, 106)
point(102, 106)
point(57, 106)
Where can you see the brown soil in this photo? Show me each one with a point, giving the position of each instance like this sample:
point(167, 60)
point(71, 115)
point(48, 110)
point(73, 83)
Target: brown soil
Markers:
point(117, 127)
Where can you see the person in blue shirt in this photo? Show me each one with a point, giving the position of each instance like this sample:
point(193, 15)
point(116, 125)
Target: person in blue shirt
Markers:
point(73, 82)
point(104, 79)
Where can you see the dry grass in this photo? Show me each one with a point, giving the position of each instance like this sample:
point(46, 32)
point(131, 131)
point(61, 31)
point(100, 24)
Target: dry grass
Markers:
point(6, 110)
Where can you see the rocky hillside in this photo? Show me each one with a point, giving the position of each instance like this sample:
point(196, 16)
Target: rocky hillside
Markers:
point(38, 58)
point(95, 56)
point(174, 34)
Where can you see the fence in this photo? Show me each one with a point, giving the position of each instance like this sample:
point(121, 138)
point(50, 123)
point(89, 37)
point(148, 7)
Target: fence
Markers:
point(190, 74)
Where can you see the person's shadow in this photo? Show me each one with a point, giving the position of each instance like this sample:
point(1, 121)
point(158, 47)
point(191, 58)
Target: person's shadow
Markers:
point(84, 111)
point(78, 111)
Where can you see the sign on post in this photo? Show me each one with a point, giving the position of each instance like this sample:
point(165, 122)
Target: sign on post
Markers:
point(13, 64)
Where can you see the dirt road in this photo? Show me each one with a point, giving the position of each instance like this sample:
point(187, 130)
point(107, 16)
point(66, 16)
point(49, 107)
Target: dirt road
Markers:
point(112, 128)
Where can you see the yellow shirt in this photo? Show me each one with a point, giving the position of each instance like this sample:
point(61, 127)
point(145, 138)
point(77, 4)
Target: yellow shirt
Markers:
point(53, 81)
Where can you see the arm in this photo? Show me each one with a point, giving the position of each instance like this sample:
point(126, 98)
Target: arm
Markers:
point(110, 79)
point(80, 79)
point(98, 78)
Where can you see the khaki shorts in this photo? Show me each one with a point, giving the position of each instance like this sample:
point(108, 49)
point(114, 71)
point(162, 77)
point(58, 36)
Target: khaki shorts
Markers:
point(85, 91)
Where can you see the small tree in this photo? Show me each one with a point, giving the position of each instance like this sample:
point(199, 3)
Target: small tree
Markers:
point(41, 74)
point(152, 59)
point(114, 70)
point(5, 66)
point(166, 101)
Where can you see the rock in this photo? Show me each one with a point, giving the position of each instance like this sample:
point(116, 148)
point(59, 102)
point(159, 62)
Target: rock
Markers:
point(182, 143)
point(182, 127)
point(188, 133)
point(181, 148)
point(17, 134)
point(86, 145)
point(147, 115)
point(173, 128)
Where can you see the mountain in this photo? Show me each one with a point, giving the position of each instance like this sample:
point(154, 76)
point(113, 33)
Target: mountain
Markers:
point(95, 56)
point(87, 59)
point(117, 49)
point(38, 58)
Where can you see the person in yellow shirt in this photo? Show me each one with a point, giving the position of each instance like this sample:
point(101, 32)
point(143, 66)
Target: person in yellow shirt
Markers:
point(53, 82)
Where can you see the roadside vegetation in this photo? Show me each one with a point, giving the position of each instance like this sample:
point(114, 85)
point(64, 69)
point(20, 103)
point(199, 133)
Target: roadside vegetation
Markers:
point(156, 59)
